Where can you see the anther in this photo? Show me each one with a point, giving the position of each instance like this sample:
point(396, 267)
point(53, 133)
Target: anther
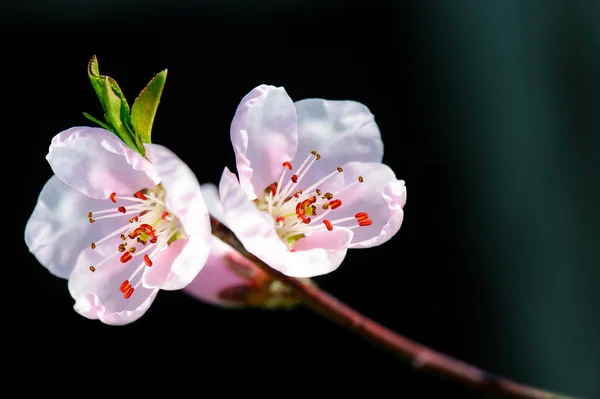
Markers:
point(132, 250)
point(89, 215)
point(361, 216)
point(365, 222)
point(133, 219)
point(124, 285)
point(273, 188)
point(91, 220)
point(287, 165)
point(325, 205)
point(360, 179)
point(318, 191)
point(113, 197)
point(335, 203)
point(306, 220)
point(92, 269)
point(127, 294)
point(279, 219)
point(122, 209)
point(328, 224)
point(339, 169)
point(140, 195)
point(126, 257)
point(147, 260)
point(294, 179)
point(123, 237)
point(164, 215)
point(93, 246)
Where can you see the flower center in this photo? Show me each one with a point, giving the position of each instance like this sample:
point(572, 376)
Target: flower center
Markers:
point(300, 211)
point(150, 227)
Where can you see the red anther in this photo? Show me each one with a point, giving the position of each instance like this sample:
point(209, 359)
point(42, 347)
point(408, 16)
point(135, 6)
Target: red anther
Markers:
point(113, 197)
point(133, 219)
point(312, 199)
point(126, 257)
point(335, 203)
point(146, 227)
point(361, 215)
point(140, 195)
point(164, 215)
point(365, 222)
point(124, 285)
point(128, 293)
point(147, 260)
point(273, 188)
point(279, 219)
point(295, 179)
point(133, 234)
point(287, 165)
point(306, 220)
point(296, 195)
point(292, 250)
point(299, 209)
point(152, 240)
point(328, 224)
point(122, 209)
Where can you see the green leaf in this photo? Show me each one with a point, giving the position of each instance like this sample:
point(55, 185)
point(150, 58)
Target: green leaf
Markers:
point(115, 106)
point(145, 106)
point(104, 125)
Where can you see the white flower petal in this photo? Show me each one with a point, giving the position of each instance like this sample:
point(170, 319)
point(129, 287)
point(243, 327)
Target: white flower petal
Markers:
point(216, 276)
point(97, 294)
point(381, 195)
point(58, 229)
point(210, 192)
point(340, 131)
point(264, 135)
point(256, 231)
point(97, 163)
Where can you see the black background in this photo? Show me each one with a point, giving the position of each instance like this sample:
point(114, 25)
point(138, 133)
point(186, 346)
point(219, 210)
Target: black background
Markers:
point(428, 282)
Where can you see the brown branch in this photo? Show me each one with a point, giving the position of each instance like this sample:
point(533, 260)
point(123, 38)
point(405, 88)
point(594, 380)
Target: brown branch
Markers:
point(421, 357)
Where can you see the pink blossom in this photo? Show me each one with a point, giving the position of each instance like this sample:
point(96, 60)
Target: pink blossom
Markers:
point(311, 182)
point(117, 225)
point(229, 279)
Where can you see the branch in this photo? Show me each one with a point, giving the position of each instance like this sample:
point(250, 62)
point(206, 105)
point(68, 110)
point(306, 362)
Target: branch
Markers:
point(421, 357)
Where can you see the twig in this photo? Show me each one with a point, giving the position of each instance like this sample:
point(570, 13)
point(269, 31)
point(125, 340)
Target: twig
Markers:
point(421, 357)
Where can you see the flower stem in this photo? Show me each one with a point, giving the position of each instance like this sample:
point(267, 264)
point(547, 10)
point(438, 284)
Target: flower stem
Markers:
point(421, 357)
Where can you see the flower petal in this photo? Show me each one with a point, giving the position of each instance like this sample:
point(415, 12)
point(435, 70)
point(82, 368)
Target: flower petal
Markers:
point(264, 135)
point(256, 231)
point(210, 192)
point(58, 229)
point(176, 266)
point(184, 197)
point(381, 195)
point(340, 131)
point(97, 294)
point(216, 276)
point(96, 162)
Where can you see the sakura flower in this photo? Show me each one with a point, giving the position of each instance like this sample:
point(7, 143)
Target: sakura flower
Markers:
point(310, 183)
point(229, 279)
point(119, 226)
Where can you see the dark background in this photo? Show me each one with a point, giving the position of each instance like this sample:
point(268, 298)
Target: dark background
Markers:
point(488, 109)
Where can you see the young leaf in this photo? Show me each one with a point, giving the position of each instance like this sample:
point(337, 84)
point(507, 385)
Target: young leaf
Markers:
point(104, 125)
point(115, 106)
point(145, 106)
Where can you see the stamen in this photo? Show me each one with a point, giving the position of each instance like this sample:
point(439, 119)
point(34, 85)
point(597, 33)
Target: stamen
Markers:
point(127, 294)
point(92, 268)
point(147, 260)
point(122, 209)
point(140, 195)
point(328, 224)
point(365, 222)
point(360, 179)
point(335, 203)
point(126, 257)
point(93, 246)
point(113, 197)
point(287, 165)
point(294, 179)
